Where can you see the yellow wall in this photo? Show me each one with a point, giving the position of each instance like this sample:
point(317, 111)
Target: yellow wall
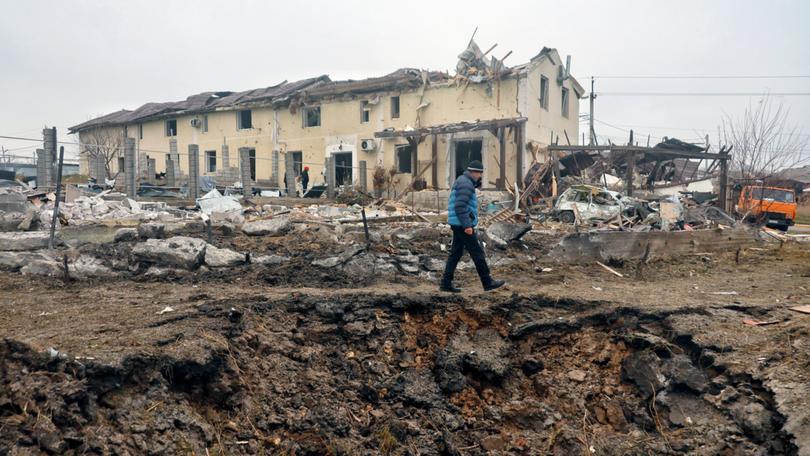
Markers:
point(341, 129)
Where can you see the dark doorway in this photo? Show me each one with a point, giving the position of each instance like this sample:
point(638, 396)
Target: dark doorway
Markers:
point(298, 162)
point(343, 168)
point(467, 151)
point(252, 159)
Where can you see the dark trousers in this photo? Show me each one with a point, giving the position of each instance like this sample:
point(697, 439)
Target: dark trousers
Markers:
point(462, 241)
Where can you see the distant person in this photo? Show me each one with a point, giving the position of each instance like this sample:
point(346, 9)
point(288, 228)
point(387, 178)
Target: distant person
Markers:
point(305, 178)
point(462, 215)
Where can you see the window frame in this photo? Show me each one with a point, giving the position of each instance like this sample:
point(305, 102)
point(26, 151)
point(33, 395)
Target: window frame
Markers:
point(240, 123)
point(205, 123)
point(543, 92)
point(397, 149)
point(564, 101)
point(167, 130)
point(395, 113)
point(365, 112)
point(304, 116)
point(209, 154)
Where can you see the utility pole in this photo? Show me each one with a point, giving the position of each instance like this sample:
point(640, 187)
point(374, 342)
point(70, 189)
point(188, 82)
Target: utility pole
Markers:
point(591, 134)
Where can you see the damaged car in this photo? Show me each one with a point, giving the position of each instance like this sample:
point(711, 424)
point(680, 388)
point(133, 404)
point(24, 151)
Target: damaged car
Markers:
point(591, 204)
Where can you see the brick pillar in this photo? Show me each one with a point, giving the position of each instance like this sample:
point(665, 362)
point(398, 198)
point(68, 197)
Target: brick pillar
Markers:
point(244, 167)
point(289, 171)
point(226, 157)
point(274, 179)
point(193, 171)
point(129, 167)
point(48, 156)
point(170, 179)
point(151, 170)
point(362, 177)
point(175, 157)
point(330, 177)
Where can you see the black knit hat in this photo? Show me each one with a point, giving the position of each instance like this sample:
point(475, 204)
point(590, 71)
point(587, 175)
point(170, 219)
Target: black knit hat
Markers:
point(476, 165)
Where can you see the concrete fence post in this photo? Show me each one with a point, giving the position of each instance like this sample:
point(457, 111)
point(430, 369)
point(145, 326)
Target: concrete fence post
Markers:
point(330, 177)
point(49, 156)
point(170, 176)
point(151, 170)
point(42, 174)
point(289, 173)
point(193, 171)
point(226, 157)
point(274, 180)
point(363, 181)
point(175, 157)
point(244, 168)
point(129, 167)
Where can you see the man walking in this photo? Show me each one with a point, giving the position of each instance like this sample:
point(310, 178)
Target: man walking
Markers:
point(462, 215)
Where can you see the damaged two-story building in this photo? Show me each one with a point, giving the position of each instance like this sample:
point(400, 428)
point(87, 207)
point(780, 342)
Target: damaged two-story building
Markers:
point(411, 124)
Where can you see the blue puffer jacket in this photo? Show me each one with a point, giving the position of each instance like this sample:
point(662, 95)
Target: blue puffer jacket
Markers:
point(462, 207)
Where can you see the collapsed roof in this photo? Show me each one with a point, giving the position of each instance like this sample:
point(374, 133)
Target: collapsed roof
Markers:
point(473, 66)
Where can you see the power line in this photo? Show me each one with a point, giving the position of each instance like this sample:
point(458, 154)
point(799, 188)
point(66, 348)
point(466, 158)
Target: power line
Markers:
point(703, 94)
point(790, 76)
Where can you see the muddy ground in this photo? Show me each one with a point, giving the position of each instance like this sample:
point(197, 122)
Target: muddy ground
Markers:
point(291, 360)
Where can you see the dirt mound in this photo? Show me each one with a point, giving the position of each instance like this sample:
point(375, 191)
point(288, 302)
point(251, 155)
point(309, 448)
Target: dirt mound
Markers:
point(384, 374)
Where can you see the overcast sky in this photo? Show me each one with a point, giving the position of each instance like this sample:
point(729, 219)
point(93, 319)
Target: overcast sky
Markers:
point(63, 62)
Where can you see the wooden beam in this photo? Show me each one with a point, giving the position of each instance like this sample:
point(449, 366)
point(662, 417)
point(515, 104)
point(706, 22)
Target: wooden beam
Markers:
point(434, 159)
point(502, 160)
point(663, 153)
point(451, 128)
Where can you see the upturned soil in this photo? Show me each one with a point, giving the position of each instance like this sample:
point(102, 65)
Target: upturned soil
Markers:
point(292, 360)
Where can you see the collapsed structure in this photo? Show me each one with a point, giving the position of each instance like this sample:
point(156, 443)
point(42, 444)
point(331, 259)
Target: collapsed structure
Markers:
point(404, 123)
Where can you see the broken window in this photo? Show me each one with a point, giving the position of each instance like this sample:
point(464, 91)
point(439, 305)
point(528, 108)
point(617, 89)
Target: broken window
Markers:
point(244, 119)
point(365, 111)
point(140, 131)
point(210, 161)
point(171, 127)
point(121, 165)
point(564, 102)
point(395, 107)
point(312, 116)
point(404, 158)
point(544, 92)
point(205, 124)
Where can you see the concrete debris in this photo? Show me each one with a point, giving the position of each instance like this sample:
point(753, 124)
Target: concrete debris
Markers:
point(86, 267)
point(151, 230)
point(276, 226)
point(29, 240)
point(220, 258)
point(214, 201)
point(269, 260)
point(126, 235)
point(501, 234)
point(179, 252)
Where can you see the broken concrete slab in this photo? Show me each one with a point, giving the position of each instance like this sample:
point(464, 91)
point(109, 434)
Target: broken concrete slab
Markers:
point(219, 258)
point(125, 235)
point(43, 267)
point(272, 227)
point(179, 251)
point(629, 245)
point(86, 267)
point(269, 260)
point(151, 230)
point(27, 240)
point(501, 233)
point(13, 261)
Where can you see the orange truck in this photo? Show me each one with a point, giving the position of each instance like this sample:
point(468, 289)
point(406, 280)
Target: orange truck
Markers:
point(773, 206)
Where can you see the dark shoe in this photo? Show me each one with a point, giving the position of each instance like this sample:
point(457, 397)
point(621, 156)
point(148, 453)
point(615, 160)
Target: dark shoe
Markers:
point(449, 288)
point(493, 284)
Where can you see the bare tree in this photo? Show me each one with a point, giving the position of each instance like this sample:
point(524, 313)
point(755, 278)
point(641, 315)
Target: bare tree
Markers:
point(764, 142)
point(102, 146)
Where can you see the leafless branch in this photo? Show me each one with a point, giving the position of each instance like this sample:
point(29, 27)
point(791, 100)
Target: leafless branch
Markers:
point(764, 142)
